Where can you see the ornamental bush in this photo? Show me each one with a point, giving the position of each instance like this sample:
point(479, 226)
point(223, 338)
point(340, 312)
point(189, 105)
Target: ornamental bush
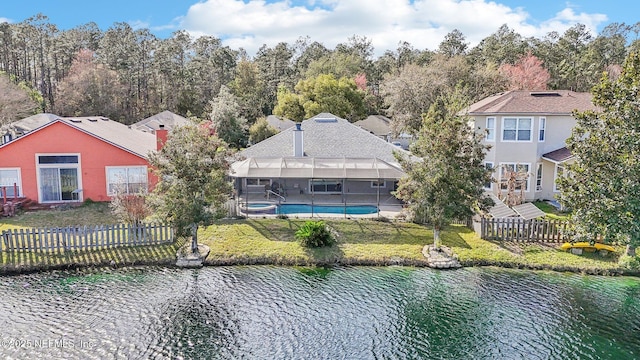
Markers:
point(314, 234)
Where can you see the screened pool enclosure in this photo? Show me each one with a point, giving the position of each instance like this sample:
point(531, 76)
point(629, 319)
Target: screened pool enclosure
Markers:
point(314, 180)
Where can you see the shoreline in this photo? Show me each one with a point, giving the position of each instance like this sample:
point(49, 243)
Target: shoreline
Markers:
point(247, 261)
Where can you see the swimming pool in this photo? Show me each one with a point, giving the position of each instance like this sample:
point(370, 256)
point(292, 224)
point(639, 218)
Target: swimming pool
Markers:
point(326, 209)
point(285, 209)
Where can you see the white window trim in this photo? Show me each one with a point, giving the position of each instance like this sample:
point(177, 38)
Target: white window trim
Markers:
point(528, 186)
point(541, 167)
point(77, 166)
point(555, 176)
point(542, 129)
point(270, 181)
point(516, 129)
point(493, 169)
point(336, 181)
point(19, 183)
point(486, 126)
point(106, 174)
point(383, 186)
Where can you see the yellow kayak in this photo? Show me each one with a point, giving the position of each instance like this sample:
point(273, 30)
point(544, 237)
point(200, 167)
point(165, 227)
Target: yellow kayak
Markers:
point(587, 246)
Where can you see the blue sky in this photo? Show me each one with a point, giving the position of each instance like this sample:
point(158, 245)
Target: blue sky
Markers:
point(249, 24)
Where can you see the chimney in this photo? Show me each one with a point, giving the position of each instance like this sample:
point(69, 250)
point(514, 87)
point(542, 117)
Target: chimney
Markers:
point(298, 141)
point(161, 137)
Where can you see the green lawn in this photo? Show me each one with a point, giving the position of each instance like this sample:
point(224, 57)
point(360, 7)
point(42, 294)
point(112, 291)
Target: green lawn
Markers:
point(551, 211)
point(371, 242)
point(272, 241)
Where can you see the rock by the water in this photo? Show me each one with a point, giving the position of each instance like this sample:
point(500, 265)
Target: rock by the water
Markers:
point(441, 258)
point(188, 259)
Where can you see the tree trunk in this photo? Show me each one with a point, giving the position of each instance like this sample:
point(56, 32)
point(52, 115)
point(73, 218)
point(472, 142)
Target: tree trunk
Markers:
point(194, 238)
point(631, 250)
point(436, 237)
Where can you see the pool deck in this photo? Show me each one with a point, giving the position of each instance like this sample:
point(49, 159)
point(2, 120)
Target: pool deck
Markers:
point(389, 206)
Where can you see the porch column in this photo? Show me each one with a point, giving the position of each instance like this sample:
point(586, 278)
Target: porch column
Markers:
point(312, 195)
point(344, 196)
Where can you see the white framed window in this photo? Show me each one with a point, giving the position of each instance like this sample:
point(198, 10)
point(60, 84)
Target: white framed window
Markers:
point(254, 181)
point(519, 174)
point(325, 186)
point(491, 129)
point(539, 177)
point(516, 129)
point(126, 179)
point(542, 128)
point(559, 172)
point(489, 166)
point(11, 181)
point(378, 184)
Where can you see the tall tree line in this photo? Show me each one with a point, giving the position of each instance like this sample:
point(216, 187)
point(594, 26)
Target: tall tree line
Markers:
point(145, 74)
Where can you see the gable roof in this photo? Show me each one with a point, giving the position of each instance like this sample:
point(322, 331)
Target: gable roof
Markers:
point(326, 136)
point(166, 118)
point(280, 123)
point(556, 102)
point(376, 124)
point(122, 136)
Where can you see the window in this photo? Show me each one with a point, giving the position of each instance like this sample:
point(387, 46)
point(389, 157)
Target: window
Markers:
point(378, 184)
point(559, 173)
point(539, 177)
point(10, 180)
point(57, 159)
point(516, 173)
point(126, 180)
point(326, 186)
point(543, 127)
point(491, 129)
point(258, 181)
point(489, 166)
point(516, 129)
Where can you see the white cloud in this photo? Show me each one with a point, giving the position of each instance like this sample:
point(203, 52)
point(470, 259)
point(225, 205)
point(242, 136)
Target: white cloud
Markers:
point(4, 19)
point(422, 23)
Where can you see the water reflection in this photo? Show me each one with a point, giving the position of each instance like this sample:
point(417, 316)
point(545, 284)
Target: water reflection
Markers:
point(299, 313)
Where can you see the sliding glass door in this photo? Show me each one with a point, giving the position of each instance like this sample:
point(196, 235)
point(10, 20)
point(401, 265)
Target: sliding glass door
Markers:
point(58, 177)
point(58, 184)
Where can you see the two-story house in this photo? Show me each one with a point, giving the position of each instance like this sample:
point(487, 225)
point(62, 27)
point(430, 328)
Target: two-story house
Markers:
point(527, 131)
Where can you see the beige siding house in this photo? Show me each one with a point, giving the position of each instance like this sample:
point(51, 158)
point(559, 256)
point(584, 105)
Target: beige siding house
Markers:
point(527, 131)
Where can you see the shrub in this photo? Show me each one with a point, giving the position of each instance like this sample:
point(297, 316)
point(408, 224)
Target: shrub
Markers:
point(629, 262)
point(314, 234)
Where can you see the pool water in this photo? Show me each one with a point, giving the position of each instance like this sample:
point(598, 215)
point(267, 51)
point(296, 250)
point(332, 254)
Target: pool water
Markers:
point(326, 209)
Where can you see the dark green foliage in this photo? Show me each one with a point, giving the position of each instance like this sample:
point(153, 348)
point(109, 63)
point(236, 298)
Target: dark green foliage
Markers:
point(314, 234)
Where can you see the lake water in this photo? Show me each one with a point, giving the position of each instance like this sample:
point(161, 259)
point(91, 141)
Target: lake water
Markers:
point(300, 313)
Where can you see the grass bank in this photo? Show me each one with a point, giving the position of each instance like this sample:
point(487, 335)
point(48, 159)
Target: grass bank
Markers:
point(272, 241)
point(367, 242)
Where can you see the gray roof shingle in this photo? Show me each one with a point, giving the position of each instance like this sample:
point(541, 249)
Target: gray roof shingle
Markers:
point(166, 118)
point(334, 138)
point(376, 124)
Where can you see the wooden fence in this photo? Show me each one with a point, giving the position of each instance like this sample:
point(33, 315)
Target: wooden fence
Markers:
point(78, 238)
point(519, 229)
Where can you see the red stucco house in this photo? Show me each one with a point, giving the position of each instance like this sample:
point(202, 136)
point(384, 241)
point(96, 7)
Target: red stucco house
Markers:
point(61, 160)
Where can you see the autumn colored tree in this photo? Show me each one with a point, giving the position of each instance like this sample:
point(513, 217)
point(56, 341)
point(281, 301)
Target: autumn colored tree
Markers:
point(527, 74)
point(90, 89)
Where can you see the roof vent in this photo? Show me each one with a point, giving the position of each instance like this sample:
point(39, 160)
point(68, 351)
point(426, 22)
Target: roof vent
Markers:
point(104, 119)
point(75, 120)
point(92, 120)
point(545, 94)
point(326, 120)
